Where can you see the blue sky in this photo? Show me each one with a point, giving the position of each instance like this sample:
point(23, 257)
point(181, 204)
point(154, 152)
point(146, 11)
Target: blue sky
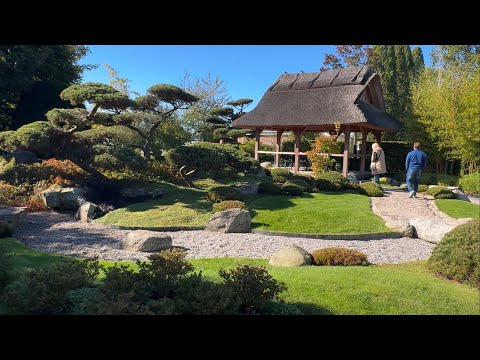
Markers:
point(247, 69)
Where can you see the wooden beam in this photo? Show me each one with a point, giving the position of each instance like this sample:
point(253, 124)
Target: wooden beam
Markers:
point(257, 142)
point(346, 148)
point(363, 153)
point(378, 136)
point(298, 137)
point(278, 147)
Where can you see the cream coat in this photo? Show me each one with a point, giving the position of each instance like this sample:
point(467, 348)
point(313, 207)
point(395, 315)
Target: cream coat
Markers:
point(381, 168)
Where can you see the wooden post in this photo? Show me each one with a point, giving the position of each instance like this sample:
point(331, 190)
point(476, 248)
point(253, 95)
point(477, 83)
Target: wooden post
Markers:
point(363, 153)
point(298, 137)
point(378, 137)
point(346, 148)
point(257, 142)
point(278, 147)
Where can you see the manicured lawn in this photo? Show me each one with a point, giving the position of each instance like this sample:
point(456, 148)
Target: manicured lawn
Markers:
point(458, 208)
point(384, 289)
point(178, 206)
point(317, 213)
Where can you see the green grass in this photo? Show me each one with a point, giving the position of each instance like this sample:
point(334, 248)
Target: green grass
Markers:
point(384, 289)
point(317, 213)
point(458, 208)
point(178, 206)
point(208, 183)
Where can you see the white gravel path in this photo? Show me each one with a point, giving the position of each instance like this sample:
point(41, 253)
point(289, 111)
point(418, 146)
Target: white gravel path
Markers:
point(59, 233)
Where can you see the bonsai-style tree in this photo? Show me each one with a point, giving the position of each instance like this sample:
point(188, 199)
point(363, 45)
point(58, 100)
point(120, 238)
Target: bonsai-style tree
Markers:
point(221, 119)
point(152, 110)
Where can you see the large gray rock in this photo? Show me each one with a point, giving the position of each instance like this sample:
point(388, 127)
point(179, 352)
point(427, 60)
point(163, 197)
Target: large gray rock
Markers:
point(351, 176)
point(21, 157)
point(403, 227)
point(248, 188)
point(12, 215)
point(460, 195)
point(141, 193)
point(291, 255)
point(62, 198)
point(146, 241)
point(266, 165)
point(86, 212)
point(230, 221)
point(430, 230)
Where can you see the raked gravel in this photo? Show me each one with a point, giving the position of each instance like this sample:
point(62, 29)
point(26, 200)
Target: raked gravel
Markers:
point(60, 233)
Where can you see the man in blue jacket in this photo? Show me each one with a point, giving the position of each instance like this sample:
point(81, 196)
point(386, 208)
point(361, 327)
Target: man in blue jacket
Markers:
point(416, 162)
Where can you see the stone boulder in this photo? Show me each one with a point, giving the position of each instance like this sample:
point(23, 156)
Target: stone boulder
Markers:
point(430, 230)
point(351, 176)
point(403, 185)
point(146, 241)
point(230, 221)
point(248, 188)
point(266, 165)
point(291, 255)
point(21, 157)
point(12, 216)
point(460, 195)
point(395, 182)
point(141, 193)
point(86, 212)
point(62, 198)
point(403, 227)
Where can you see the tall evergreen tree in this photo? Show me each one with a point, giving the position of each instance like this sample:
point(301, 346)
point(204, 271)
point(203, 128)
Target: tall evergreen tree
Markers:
point(403, 82)
point(418, 62)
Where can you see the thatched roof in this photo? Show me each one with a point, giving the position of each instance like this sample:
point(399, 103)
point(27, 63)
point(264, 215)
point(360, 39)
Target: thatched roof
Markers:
point(320, 99)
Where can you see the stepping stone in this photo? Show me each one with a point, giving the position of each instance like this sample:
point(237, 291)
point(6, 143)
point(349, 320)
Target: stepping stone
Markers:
point(430, 230)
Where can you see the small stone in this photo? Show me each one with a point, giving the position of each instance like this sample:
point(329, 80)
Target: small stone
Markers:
point(291, 255)
point(86, 212)
point(403, 227)
point(146, 241)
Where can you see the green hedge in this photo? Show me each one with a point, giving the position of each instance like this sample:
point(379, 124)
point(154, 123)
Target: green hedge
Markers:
point(470, 183)
point(280, 175)
point(302, 183)
point(293, 189)
point(269, 188)
point(333, 181)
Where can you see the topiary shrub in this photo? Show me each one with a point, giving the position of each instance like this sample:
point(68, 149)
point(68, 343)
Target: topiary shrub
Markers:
point(308, 179)
point(332, 181)
point(280, 175)
point(6, 266)
point(228, 204)
point(370, 189)
point(336, 256)
point(266, 187)
point(252, 287)
point(423, 188)
point(428, 179)
point(222, 193)
point(470, 183)
point(457, 257)
point(302, 183)
point(44, 290)
point(293, 189)
point(441, 193)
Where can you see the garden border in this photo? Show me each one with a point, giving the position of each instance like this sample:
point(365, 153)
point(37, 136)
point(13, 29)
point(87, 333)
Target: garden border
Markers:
point(153, 228)
point(373, 236)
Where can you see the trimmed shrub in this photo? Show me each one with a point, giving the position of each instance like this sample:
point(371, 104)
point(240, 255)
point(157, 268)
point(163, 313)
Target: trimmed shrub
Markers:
point(252, 287)
point(470, 183)
point(308, 179)
point(441, 193)
point(279, 308)
point(8, 193)
point(428, 179)
point(222, 193)
point(302, 183)
point(457, 257)
point(228, 204)
point(332, 181)
point(423, 188)
point(447, 180)
point(6, 267)
point(336, 256)
point(370, 189)
point(266, 187)
point(44, 290)
point(280, 175)
point(293, 189)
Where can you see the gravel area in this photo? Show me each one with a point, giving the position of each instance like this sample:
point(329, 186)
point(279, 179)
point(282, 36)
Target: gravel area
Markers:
point(60, 233)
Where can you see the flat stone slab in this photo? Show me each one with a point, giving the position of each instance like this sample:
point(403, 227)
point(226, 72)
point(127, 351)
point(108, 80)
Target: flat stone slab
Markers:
point(12, 215)
point(430, 230)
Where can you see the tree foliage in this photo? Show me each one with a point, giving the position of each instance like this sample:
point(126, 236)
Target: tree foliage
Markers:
point(346, 55)
point(319, 155)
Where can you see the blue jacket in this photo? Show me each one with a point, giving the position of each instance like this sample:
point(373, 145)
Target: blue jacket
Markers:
point(416, 160)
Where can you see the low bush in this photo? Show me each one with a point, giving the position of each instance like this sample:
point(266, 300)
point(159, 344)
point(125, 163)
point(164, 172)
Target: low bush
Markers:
point(423, 188)
point(6, 267)
point(308, 179)
point(280, 175)
point(228, 204)
point(447, 180)
point(223, 193)
point(470, 183)
point(428, 179)
point(370, 189)
point(457, 257)
point(293, 189)
point(336, 256)
point(279, 308)
point(302, 183)
point(332, 181)
point(252, 287)
point(441, 193)
point(8, 193)
point(266, 187)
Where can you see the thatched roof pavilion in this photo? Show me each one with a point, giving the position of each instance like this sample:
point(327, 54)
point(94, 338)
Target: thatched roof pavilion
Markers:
point(315, 101)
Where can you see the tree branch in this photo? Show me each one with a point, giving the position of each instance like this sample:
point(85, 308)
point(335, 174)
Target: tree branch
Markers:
point(140, 132)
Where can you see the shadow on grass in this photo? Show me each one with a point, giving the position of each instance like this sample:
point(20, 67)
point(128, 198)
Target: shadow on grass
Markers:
point(312, 309)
